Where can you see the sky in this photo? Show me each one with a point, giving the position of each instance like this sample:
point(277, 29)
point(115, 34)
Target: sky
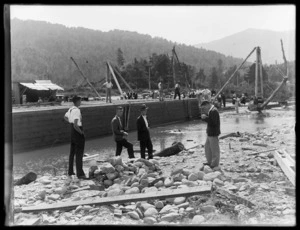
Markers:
point(187, 24)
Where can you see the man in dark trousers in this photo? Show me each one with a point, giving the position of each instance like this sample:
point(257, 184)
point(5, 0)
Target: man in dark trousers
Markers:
point(143, 133)
point(120, 135)
point(223, 99)
point(73, 116)
point(177, 91)
point(212, 149)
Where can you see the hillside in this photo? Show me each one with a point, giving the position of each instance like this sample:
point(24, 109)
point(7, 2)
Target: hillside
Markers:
point(43, 50)
point(240, 44)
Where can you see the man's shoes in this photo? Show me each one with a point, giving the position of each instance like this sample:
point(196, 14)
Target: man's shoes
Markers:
point(83, 177)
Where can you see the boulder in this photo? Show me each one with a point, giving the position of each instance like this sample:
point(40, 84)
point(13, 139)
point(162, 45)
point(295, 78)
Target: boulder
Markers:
point(149, 220)
point(179, 200)
point(133, 190)
point(168, 182)
point(159, 184)
point(107, 168)
point(112, 176)
point(115, 192)
point(178, 177)
point(193, 177)
point(183, 205)
point(92, 171)
point(198, 219)
point(45, 180)
point(146, 205)
point(166, 209)
point(218, 182)
point(138, 164)
point(144, 182)
point(134, 215)
point(159, 205)
point(107, 182)
point(169, 217)
point(42, 194)
point(119, 168)
point(54, 197)
point(186, 172)
point(207, 169)
point(141, 171)
point(135, 184)
point(146, 162)
point(208, 208)
point(211, 176)
point(200, 175)
point(150, 212)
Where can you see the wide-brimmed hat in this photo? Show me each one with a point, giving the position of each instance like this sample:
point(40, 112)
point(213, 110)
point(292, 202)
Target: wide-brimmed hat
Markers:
point(143, 107)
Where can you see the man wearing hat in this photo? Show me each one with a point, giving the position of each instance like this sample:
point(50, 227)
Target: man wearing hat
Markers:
point(73, 116)
point(212, 150)
point(120, 135)
point(143, 133)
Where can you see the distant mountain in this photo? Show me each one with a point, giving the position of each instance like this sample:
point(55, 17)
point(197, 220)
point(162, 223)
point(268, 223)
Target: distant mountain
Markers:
point(241, 44)
point(43, 50)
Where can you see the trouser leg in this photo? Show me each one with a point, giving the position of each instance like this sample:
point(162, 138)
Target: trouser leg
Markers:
point(129, 147)
point(109, 95)
point(215, 149)
point(150, 149)
point(118, 148)
point(71, 160)
point(143, 149)
point(79, 141)
point(207, 150)
point(106, 95)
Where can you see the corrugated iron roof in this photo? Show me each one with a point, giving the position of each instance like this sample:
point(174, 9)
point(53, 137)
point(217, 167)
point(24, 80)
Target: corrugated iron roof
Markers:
point(48, 84)
point(34, 86)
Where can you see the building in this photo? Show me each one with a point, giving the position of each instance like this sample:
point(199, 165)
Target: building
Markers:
point(31, 91)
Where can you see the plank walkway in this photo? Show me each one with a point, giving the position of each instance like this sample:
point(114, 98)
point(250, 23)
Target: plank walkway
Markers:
point(287, 164)
point(122, 199)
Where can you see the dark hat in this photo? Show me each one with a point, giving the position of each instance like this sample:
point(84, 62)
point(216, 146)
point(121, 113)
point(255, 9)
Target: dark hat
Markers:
point(203, 103)
point(143, 107)
point(76, 98)
point(119, 107)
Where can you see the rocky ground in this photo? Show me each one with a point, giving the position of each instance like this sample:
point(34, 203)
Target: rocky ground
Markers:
point(256, 178)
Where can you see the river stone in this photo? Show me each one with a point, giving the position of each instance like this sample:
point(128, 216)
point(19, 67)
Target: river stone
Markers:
point(53, 197)
point(198, 219)
point(207, 169)
point(186, 172)
point(133, 190)
point(211, 176)
point(153, 161)
point(146, 205)
point(190, 183)
point(61, 190)
point(208, 208)
point(138, 164)
point(159, 205)
point(166, 209)
point(200, 175)
point(182, 186)
point(112, 176)
point(153, 174)
point(144, 182)
point(42, 194)
point(145, 161)
point(177, 183)
point(133, 169)
point(150, 189)
point(169, 217)
point(218, 182)
point(107, 182)
point(150, 212)
point(179, 200)
point(178, 177)
point(135, 184)
point(117, 160)
point(159, 184)
point(115, 192)
point(189, 209)
point(168, 181)
point(141, 172)
point(149, 220)
point(119, 168)
point(45, 180)
point(192, 177)
point(107, 168)
point(183, 205)
point(134, 215)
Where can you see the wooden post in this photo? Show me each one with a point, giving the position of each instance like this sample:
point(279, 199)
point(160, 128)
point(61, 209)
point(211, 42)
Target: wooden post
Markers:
point(216, 96)
point(173, 65)
point(261, 75)
point(256, 72)
point(119, 74)
point(86, 78)
point(116, 80)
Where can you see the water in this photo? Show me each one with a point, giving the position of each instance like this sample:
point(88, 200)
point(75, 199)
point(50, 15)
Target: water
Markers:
point(190, 133)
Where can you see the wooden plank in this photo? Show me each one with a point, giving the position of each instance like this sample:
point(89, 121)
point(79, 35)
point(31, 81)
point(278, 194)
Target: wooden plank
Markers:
point(123, 199)
point(90, 157)
point(264, 151)
point(286, 165)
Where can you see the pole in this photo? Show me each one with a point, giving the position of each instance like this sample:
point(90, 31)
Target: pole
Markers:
point(116, 80)
point(216, 96)
point(119, 74)
point(86, 78)
point(149, 80)
point(261, 75)
point(173, 65)
point(256, 72)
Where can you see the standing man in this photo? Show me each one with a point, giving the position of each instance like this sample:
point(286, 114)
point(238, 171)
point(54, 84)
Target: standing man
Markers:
point(177, 90)
point(223, 99)
point(120, 135)
point(73, 116)
point(160, 89)
point(109, 86)
point(143, 133)
point(212, 150)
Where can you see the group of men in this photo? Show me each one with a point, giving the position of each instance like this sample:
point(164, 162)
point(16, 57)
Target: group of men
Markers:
point(73, 116)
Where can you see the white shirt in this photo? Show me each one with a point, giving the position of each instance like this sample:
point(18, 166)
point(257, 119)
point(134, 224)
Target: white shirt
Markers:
point(159, 85)
point(108, 85)
point(145, 119)
point(176, 86)
point(73, 114)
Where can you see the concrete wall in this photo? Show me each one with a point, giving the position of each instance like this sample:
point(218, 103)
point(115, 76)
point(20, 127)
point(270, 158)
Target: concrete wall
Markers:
point(32, 130)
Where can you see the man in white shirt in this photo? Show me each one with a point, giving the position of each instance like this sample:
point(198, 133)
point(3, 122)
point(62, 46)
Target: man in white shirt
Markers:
point(108, 86)
point(73, 116)
point(144, 134)
point(177, 91)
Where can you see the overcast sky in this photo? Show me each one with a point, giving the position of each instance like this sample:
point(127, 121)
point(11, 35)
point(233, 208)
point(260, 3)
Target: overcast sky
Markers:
point(182, 24)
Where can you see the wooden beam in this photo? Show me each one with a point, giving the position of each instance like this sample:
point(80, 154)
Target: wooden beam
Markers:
point(116, 80)
point(264, 151)
point(261, 75)
point(286, 165)
point(119, 74)
point(229, 79)
point(238, 199)
point(169, 193)
point(256, 72)
point(90, 157)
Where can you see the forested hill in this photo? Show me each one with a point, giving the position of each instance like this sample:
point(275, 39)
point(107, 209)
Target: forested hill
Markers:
point(42, 50)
